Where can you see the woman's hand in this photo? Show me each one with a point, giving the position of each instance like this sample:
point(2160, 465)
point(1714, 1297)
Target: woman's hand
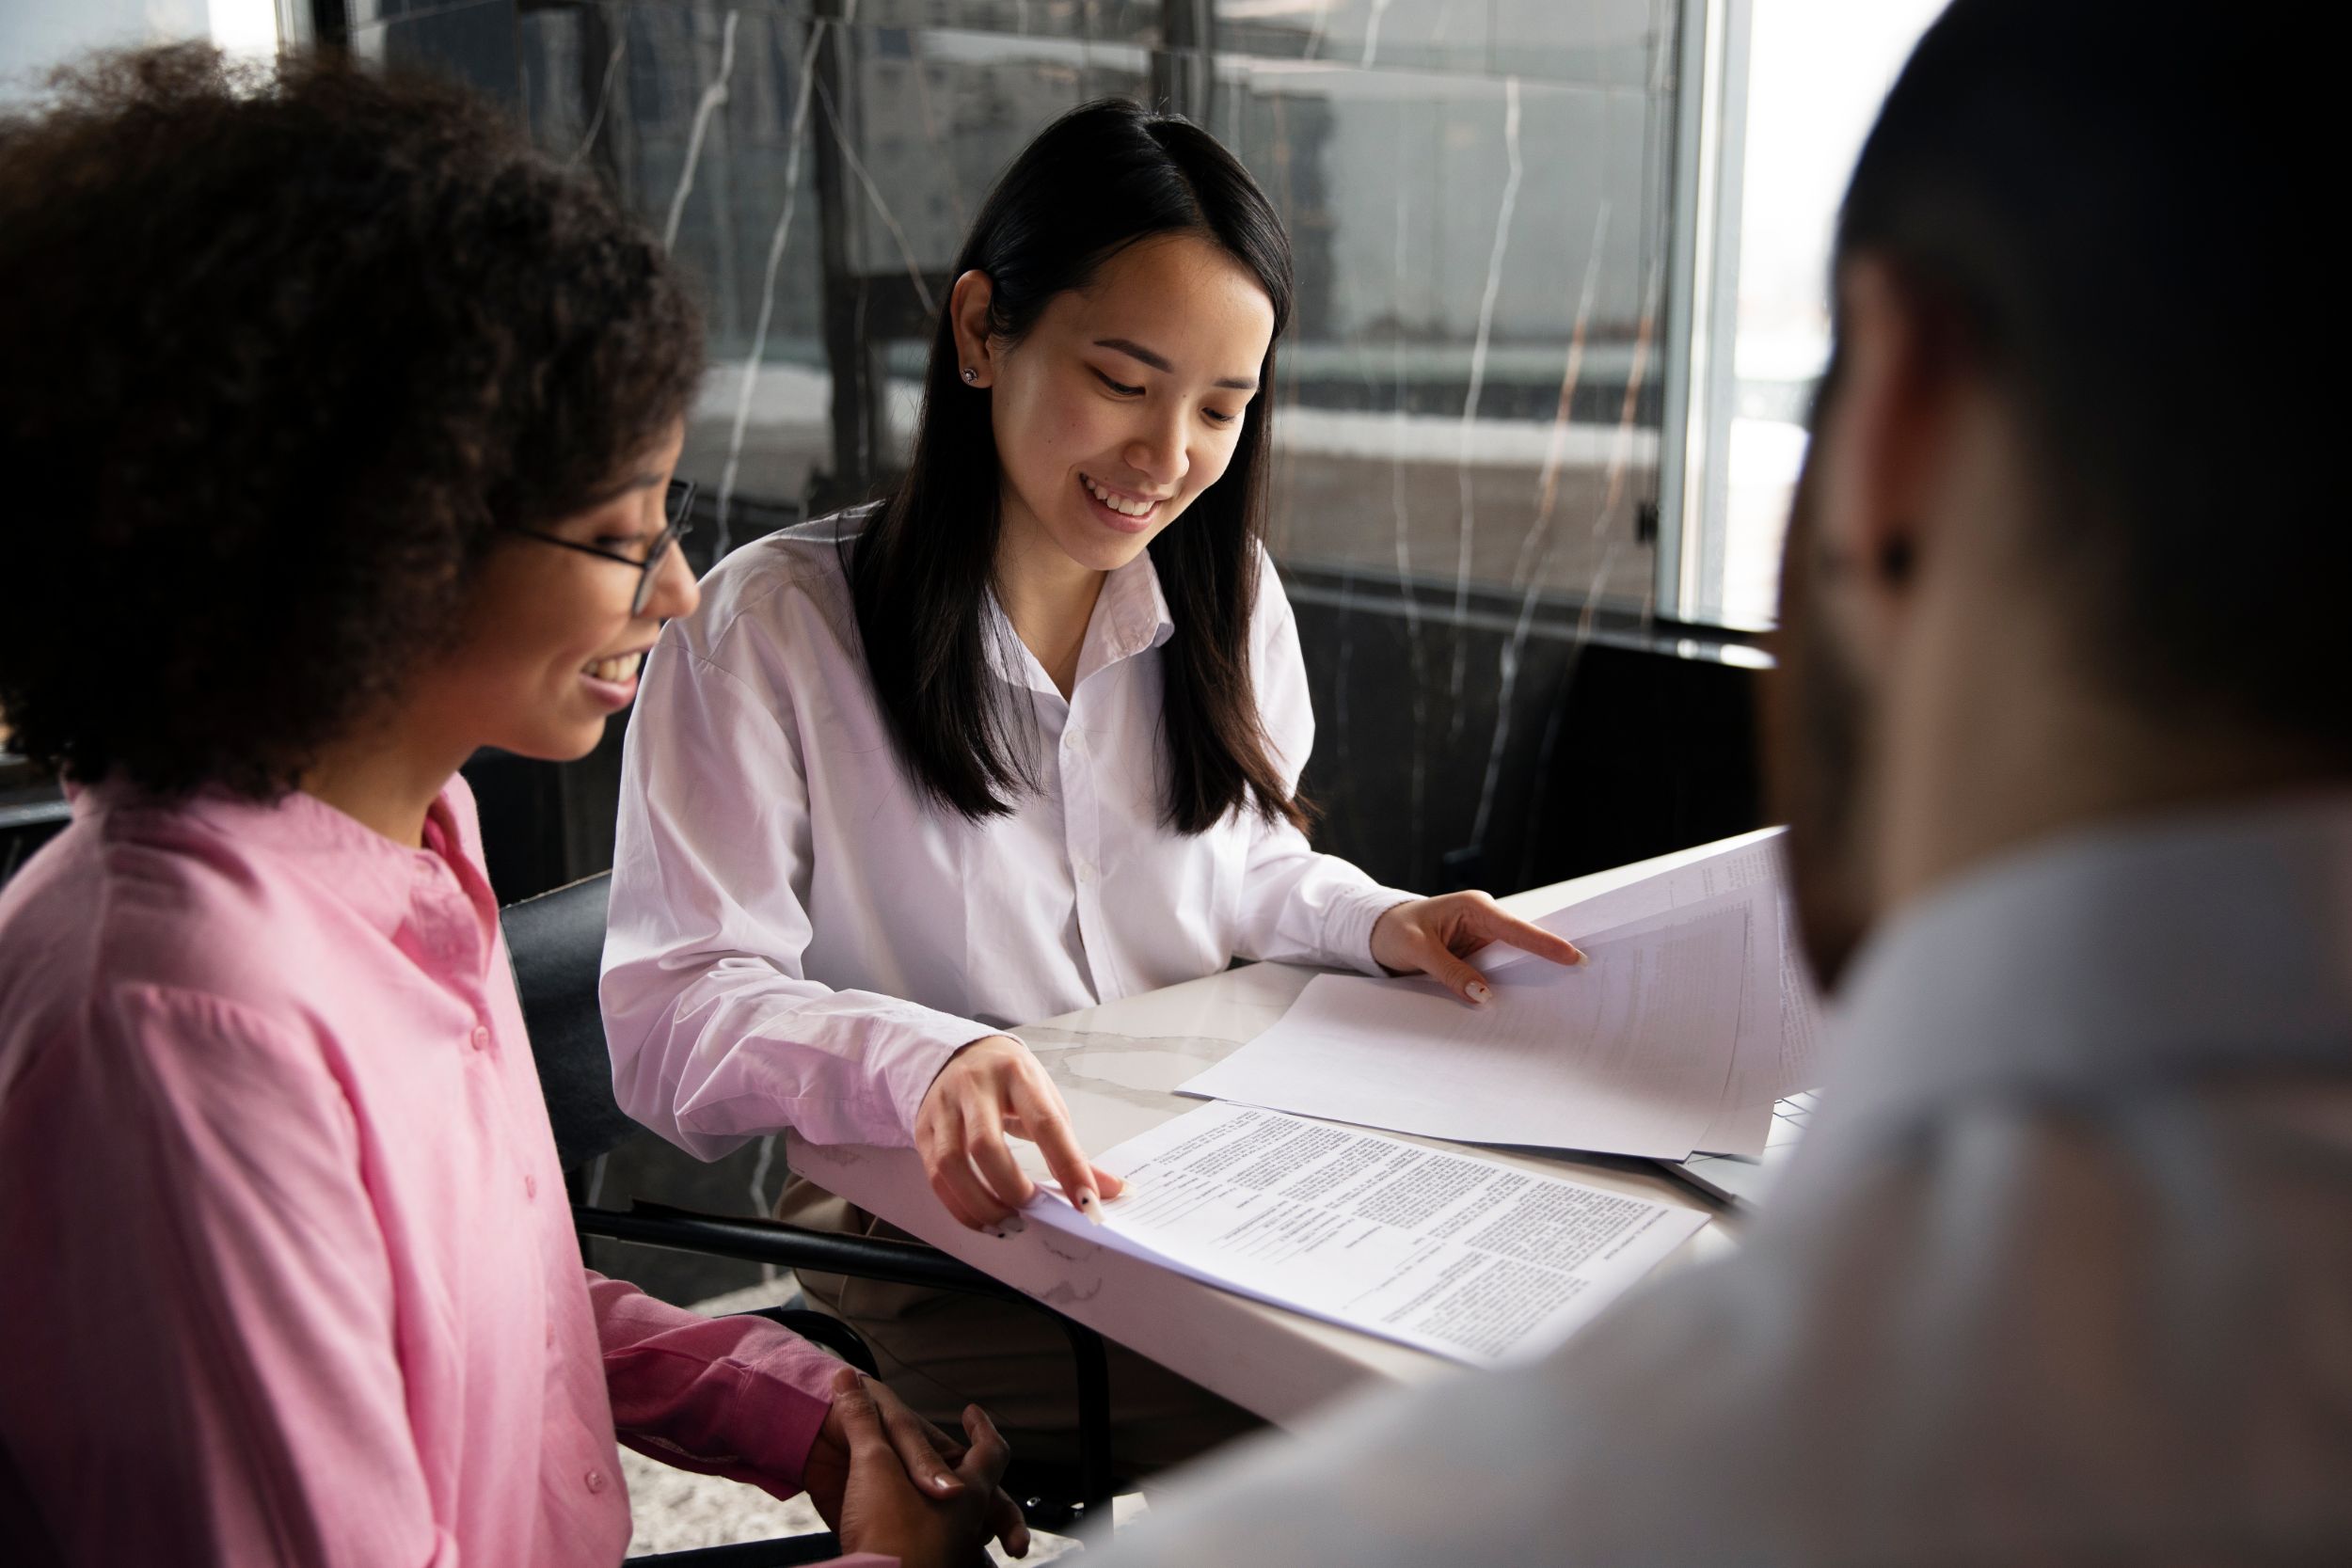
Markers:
point(1429, 936)
point(926, 1455)
point(989, 1089)
point(882, 1508)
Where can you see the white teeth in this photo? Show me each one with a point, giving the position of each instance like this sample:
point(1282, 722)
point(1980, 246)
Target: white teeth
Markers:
point(1117, 503)
point(618, 669)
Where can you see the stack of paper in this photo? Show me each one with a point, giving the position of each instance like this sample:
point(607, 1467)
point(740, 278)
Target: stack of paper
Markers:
point(1458, 1255)
point(1686, 1020)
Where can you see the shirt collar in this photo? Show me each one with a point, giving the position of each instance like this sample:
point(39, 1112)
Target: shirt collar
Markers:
point(2188, 947)
point(376, 877)
point(1131, 617)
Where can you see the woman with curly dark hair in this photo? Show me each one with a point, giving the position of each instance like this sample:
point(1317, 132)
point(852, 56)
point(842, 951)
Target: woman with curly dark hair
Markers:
point(340, 429)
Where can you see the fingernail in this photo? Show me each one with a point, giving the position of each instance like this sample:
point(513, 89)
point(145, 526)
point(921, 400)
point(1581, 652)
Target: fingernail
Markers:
point(1479, 993)
point(1014, 1225)
point(1090, 1205)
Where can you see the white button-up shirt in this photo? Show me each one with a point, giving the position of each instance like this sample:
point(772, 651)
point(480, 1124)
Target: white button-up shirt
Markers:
point(800, 939)
point(2061, 1274)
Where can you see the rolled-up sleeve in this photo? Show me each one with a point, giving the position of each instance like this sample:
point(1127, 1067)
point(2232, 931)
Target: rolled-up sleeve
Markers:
point(716, 1030)
point(1298, 905)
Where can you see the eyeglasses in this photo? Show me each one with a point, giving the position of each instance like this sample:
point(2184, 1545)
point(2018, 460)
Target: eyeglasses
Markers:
point(678, 506)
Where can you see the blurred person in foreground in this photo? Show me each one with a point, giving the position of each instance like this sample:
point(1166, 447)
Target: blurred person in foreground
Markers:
point(2062, 726)
point(341, 430)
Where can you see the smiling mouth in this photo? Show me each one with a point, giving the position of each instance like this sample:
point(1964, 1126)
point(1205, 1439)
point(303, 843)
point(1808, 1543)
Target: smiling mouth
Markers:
point(1126, 506)
point(620, 667)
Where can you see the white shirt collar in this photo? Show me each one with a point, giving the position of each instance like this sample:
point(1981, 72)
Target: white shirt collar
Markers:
point(1131, 616)
point(2186, 946)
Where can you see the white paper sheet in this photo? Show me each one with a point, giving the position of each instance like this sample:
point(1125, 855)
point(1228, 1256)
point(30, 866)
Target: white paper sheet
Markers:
point(1625, 1054)
point(1437, 1248)
point(1744, 1111)
point(1756, 869)
point(1734, 870)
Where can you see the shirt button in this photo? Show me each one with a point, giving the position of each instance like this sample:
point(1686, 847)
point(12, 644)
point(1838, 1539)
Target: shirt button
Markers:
point(1086, 874)
point(530, 1186)
point(481, 1037)
point(595, 1479)
point(1077, 744)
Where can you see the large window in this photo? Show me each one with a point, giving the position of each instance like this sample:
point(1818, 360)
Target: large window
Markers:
point(1469, 402)
point(37, 36)
point(1562, 267)
point(1778, 97)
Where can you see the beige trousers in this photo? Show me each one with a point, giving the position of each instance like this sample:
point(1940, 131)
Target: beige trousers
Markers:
point(941, 1350)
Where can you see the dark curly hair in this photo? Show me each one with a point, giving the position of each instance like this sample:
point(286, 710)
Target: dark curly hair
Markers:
point(284, 347)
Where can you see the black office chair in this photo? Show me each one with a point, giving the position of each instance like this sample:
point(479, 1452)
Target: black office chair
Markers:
point(556, 942)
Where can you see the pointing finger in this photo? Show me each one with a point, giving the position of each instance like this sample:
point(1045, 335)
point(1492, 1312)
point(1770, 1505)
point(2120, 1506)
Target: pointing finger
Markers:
point(1048, 1122)
point(1533, 938)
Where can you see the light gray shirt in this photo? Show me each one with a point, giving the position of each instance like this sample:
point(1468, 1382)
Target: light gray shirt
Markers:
point(2062, 1273)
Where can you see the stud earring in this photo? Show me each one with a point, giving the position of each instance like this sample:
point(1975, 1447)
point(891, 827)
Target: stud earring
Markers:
point(971, 375)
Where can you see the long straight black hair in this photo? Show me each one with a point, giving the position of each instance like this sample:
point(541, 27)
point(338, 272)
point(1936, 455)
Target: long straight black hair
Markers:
point(1097, 180)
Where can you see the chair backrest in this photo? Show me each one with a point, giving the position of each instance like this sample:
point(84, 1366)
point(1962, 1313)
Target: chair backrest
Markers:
point(556, 942)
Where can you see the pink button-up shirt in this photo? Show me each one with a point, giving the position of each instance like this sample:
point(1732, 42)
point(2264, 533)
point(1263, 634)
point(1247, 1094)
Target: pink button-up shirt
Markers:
point(286, 1275)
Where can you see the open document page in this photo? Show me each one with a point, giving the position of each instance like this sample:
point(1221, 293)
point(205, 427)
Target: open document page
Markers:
point(1627, 1052)
point(1443, 1250)
point(1754, 871)
point(1743, 1106)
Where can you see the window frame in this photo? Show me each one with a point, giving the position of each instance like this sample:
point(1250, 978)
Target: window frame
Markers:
point(1702, 305)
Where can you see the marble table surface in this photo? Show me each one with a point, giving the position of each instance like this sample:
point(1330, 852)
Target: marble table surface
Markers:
point(1117, 1066)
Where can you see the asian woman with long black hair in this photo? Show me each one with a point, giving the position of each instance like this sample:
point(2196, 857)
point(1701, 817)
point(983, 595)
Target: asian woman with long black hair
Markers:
point(1023, 737)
